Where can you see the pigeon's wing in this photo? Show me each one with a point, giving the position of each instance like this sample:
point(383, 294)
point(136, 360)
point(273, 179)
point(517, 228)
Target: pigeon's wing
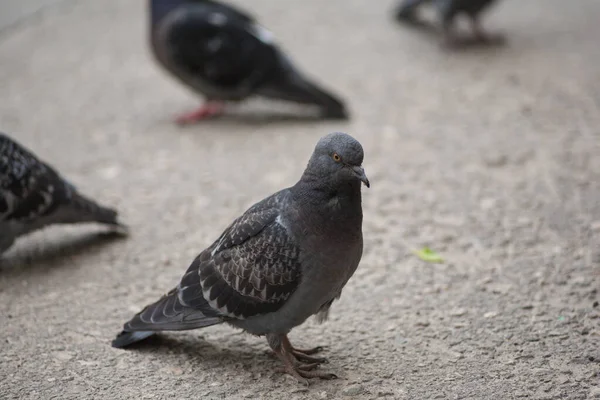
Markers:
point(29, 188)
point(252, 269)
point(224, 50)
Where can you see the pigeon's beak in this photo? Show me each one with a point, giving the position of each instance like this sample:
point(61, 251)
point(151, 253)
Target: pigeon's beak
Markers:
point(360, 174)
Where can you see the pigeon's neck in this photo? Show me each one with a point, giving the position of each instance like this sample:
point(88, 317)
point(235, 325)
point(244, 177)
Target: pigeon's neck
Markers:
point(344, 198)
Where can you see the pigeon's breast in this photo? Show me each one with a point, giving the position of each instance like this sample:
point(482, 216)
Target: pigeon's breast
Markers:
point(332, 246)
point(332, 261)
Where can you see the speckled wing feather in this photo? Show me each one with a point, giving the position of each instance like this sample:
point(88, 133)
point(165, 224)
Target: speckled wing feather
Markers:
point(29, 188)
point(251, 269)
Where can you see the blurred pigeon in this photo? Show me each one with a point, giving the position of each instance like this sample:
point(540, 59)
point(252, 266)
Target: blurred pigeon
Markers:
point(448, 11)
point(33, 195)
point(223, 54)
point(286, 258)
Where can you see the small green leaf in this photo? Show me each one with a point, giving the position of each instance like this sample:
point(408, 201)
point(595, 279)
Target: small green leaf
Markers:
point(426, 254)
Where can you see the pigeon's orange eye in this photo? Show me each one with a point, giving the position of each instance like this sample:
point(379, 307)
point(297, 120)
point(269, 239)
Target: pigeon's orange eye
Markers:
point(336, 157)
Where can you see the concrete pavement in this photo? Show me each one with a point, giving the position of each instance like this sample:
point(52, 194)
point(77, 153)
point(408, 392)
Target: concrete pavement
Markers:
point(491, 157)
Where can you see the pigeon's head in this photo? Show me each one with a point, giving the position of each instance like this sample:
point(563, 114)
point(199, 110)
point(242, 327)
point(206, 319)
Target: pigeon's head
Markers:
point(337, 159)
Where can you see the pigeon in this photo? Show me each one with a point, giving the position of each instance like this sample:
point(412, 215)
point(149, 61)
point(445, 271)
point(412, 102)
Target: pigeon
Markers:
point(285, 259)
point(448, 11)
point(223, 54)
point(33, 195)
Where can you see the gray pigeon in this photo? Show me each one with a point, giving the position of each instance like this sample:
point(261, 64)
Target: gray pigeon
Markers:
point(33, 195)
point(448, 11)
point(286, 258)
point(226, 56)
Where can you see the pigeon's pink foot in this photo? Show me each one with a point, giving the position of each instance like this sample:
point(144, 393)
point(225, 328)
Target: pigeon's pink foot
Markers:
point(208, 110)
point(305, 355)
point(481, 36)
point(298, 363)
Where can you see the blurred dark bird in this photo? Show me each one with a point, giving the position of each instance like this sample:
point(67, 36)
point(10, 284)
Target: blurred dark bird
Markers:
point(33, 195)
point(223, 54)
point(285, 259)
point(448, 10)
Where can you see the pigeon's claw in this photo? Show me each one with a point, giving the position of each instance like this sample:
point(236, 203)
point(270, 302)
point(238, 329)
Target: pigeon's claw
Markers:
point(311, 351)
point(316, 374)
point(307, 367)
point(296, 362)
point(208, 110)
point(293, 372)
point(305, 357)
point(303, 372)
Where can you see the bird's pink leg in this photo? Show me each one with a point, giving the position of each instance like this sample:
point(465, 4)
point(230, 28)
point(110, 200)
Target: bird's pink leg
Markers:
point(208, 110)
point(482, 36)
point(292, 362)
point(305, 355)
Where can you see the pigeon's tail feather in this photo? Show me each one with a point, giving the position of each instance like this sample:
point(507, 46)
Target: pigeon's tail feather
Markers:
point(125, 339)
point(167, 314)
point(82, 209)
point(290, 85)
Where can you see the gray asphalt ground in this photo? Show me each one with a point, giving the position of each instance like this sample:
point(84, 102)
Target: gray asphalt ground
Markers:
point(491, 157)
point(12, 11)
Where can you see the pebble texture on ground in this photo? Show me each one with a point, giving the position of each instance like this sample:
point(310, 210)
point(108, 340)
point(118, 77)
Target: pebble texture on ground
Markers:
point(490, 157)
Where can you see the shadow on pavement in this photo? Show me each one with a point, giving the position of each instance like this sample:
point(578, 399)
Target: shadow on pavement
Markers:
point(463, 42)
point(260, 119)
point(54, 255)
point(201, 351)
